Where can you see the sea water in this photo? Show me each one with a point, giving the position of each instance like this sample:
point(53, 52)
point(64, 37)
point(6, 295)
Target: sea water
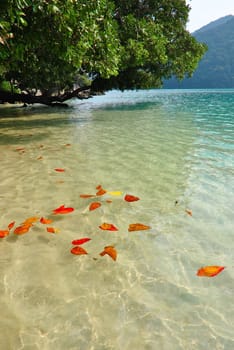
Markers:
point(172, 149)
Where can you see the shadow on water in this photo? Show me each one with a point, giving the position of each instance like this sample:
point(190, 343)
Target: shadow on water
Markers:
point(14, 111)
point(34, 122)
point(131, 106)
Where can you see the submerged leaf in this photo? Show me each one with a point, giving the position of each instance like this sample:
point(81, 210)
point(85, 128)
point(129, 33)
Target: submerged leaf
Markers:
point(130, 198)
point(52, 230)
point(94, 205)
point(30, 220)
point(20, 149)
point(108, 227)
point(138, 227)
point(63, 210)
point(11, 224)
point(87, 195)
point(78, 251)
point(189, 212)
point(60, 170)
point(81, 241)
point(4, 233)
point(210, 271)
point(111, 251)
point(45, 221)
point(22, 229)
point(100, 191)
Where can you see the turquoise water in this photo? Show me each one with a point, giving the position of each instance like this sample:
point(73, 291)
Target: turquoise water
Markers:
point(172, 149)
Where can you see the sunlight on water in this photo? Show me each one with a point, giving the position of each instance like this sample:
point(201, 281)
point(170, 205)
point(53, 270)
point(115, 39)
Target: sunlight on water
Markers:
point(172, 149)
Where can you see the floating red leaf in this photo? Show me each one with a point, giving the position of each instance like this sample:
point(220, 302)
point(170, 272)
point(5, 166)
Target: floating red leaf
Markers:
point(108, 227)
point(60, 170)
point(100, 191)
point(87, 195)
point(63, 210)
point(22, 229)
point(11, 224)
point(45, 221)
point(210, 271)
point(130, 198)
point(52, 230)
point(78, 251)
point(4, 233)
point(138, 227)
point(94, 205)
point(111, 251)
point(81, 241)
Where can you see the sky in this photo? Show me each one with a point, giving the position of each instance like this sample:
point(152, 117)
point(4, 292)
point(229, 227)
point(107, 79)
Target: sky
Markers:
point(205, 11)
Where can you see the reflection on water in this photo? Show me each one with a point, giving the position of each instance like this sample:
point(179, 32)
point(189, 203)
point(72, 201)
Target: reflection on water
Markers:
point(172, 149)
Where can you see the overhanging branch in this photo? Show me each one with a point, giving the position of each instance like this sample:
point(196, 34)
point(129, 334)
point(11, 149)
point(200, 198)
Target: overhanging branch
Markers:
point(27, 98)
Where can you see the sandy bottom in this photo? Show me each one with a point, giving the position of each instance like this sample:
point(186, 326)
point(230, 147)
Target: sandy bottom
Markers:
point(150, 297)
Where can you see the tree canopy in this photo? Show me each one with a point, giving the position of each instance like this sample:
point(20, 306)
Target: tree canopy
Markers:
point(53, 50)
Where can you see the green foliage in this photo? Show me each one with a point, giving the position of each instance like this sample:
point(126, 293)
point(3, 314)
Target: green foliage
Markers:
point(5, 86)
point(153, 40)
point(46, 44)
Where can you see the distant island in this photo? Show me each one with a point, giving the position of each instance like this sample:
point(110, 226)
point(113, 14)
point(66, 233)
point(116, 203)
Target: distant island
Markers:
point(216, 68)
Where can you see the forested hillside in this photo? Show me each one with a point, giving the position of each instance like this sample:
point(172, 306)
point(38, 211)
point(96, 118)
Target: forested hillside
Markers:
point(216, 69)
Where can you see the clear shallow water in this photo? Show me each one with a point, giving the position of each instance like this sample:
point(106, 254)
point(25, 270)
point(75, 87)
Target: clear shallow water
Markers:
point(163, 146)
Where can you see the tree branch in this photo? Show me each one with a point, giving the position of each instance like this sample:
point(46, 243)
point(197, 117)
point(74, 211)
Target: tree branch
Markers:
point(27, 98)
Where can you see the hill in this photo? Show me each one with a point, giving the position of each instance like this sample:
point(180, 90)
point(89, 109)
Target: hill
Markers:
point(216, 69)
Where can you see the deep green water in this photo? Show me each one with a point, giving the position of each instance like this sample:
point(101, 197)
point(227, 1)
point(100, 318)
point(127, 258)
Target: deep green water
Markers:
point(165, 147)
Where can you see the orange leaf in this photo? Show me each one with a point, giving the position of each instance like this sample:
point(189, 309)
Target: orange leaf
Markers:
point(130, 198)
point(11, 225)
point(110, 250)
point(94, 205)
point(108, 227)
point(189, 212)
point(52, 230)
point(24, 228)
point(138, 227)
point(100, 191)
point(30, 220)
point(210, 271)
point(45, 221)
point(78, 251)
point(60, 170)
point(4, 233)
point(86, 195)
